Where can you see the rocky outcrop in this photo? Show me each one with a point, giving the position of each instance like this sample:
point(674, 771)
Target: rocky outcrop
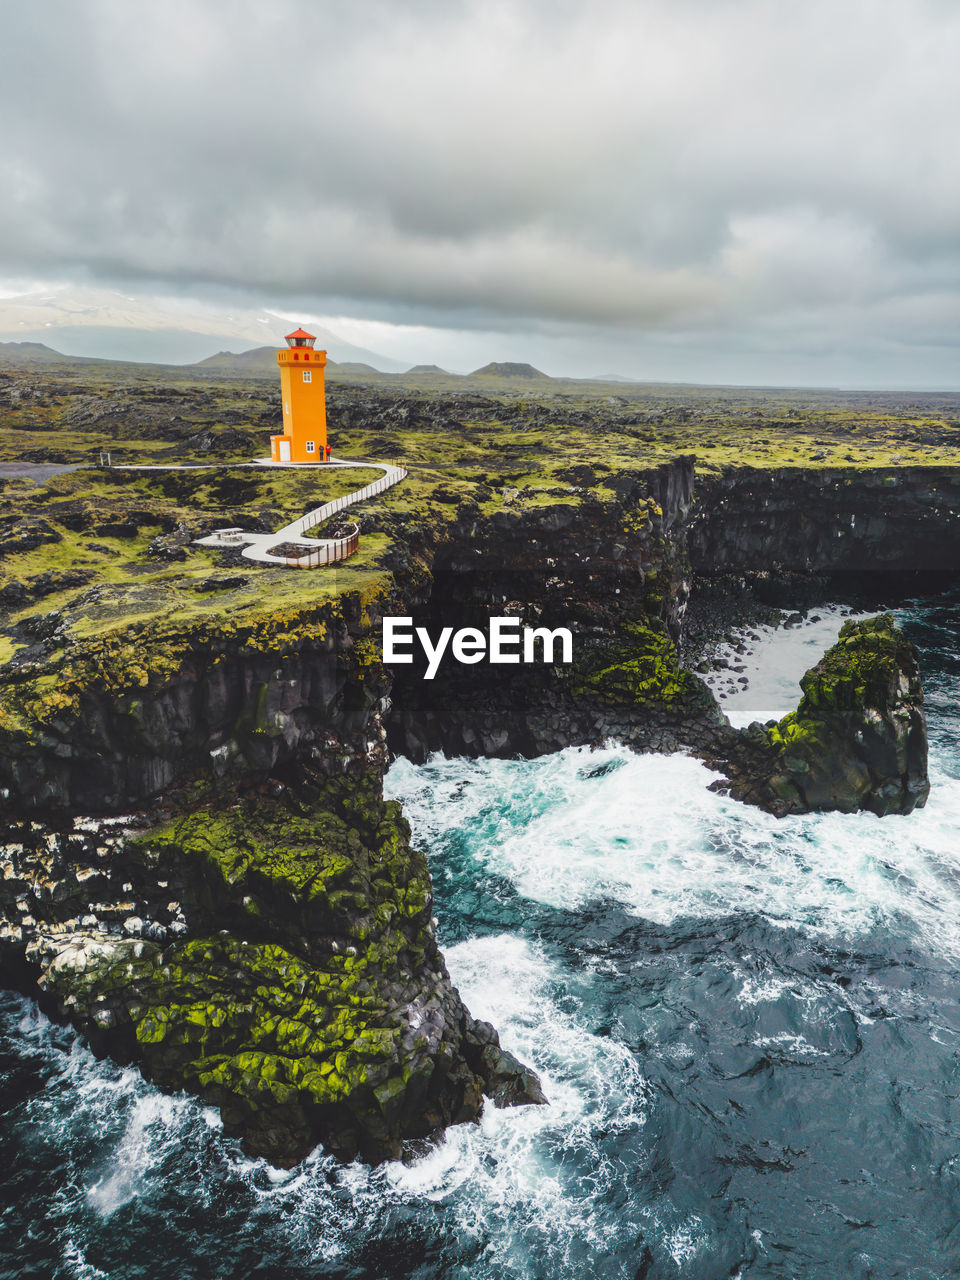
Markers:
point(199, 872)
point(857, 740)
point(275, 954)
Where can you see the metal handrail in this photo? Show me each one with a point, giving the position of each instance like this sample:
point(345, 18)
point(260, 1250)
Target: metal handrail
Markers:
point(328, 552)
point(333, 549)
point(392, 476)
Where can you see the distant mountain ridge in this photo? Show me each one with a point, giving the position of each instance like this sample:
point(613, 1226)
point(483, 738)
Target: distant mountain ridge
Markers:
point(261, 362)
point(133, 344)
point(357, 366)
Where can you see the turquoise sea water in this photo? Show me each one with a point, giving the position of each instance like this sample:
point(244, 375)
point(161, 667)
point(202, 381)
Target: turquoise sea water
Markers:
point(748, 1030)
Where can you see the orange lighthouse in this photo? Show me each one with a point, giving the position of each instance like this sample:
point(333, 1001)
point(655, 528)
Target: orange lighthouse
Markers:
point(304, 398)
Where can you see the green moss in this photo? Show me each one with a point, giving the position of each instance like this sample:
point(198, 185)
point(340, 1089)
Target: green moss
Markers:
point(855, 673)
point(309, 921)
point(256, 1021)
point(254, 1024)
point(641, 666)
point(858, 679)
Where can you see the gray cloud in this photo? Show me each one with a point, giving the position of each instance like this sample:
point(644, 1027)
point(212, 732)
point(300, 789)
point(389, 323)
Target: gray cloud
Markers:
point(737, 168)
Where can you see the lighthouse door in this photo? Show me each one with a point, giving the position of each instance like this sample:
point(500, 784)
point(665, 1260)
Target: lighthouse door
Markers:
point(284, 450)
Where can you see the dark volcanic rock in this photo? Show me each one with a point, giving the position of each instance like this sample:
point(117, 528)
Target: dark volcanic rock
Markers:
point(15, 594)
point(26, 534)
point(228, 582)
point(275, 954)
point(805, 519)
point(226, 440)
point(857, 740)
point(170, 546)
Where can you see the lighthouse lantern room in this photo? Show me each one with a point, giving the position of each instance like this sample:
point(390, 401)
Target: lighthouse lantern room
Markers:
point(304, 399)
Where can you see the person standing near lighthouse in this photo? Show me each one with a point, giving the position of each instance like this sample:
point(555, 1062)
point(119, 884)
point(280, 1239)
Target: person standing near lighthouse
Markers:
point(303, 394)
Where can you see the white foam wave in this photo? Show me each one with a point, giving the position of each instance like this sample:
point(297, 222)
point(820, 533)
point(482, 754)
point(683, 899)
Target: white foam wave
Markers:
point(517, 1179)
point(133, 1159)
point(78, 1268)
point(522, 1184)
point(580, 827)
point(136, 1127)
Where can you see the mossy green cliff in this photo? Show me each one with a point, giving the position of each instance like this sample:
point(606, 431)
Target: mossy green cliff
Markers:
point(259, 930)
point(310, 1002)
point(199, 870)
point(857, 739)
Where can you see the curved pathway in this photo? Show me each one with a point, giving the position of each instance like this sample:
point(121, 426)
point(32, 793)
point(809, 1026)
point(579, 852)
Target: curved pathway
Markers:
point(317, 551)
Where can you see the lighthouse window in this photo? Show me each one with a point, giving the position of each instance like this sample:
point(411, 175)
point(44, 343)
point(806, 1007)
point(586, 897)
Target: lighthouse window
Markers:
point(308, 375)
point(311, 446)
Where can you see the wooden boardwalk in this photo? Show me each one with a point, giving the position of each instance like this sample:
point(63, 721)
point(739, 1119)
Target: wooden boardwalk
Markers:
point(263, 547)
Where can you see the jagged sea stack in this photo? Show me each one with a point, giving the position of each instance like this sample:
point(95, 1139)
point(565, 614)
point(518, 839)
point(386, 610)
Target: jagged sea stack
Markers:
point(857, 740)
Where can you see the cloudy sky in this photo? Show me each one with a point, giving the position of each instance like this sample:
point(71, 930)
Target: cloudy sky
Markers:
point(737, 191)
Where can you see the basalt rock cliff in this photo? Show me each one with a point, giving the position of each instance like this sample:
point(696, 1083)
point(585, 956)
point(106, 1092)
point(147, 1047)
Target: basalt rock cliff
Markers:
point(199, 870)
point(863, 520)
point(275, 954)
point(615, 571)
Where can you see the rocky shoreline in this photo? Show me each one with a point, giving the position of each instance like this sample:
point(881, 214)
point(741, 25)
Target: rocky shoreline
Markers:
point(199, 870)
